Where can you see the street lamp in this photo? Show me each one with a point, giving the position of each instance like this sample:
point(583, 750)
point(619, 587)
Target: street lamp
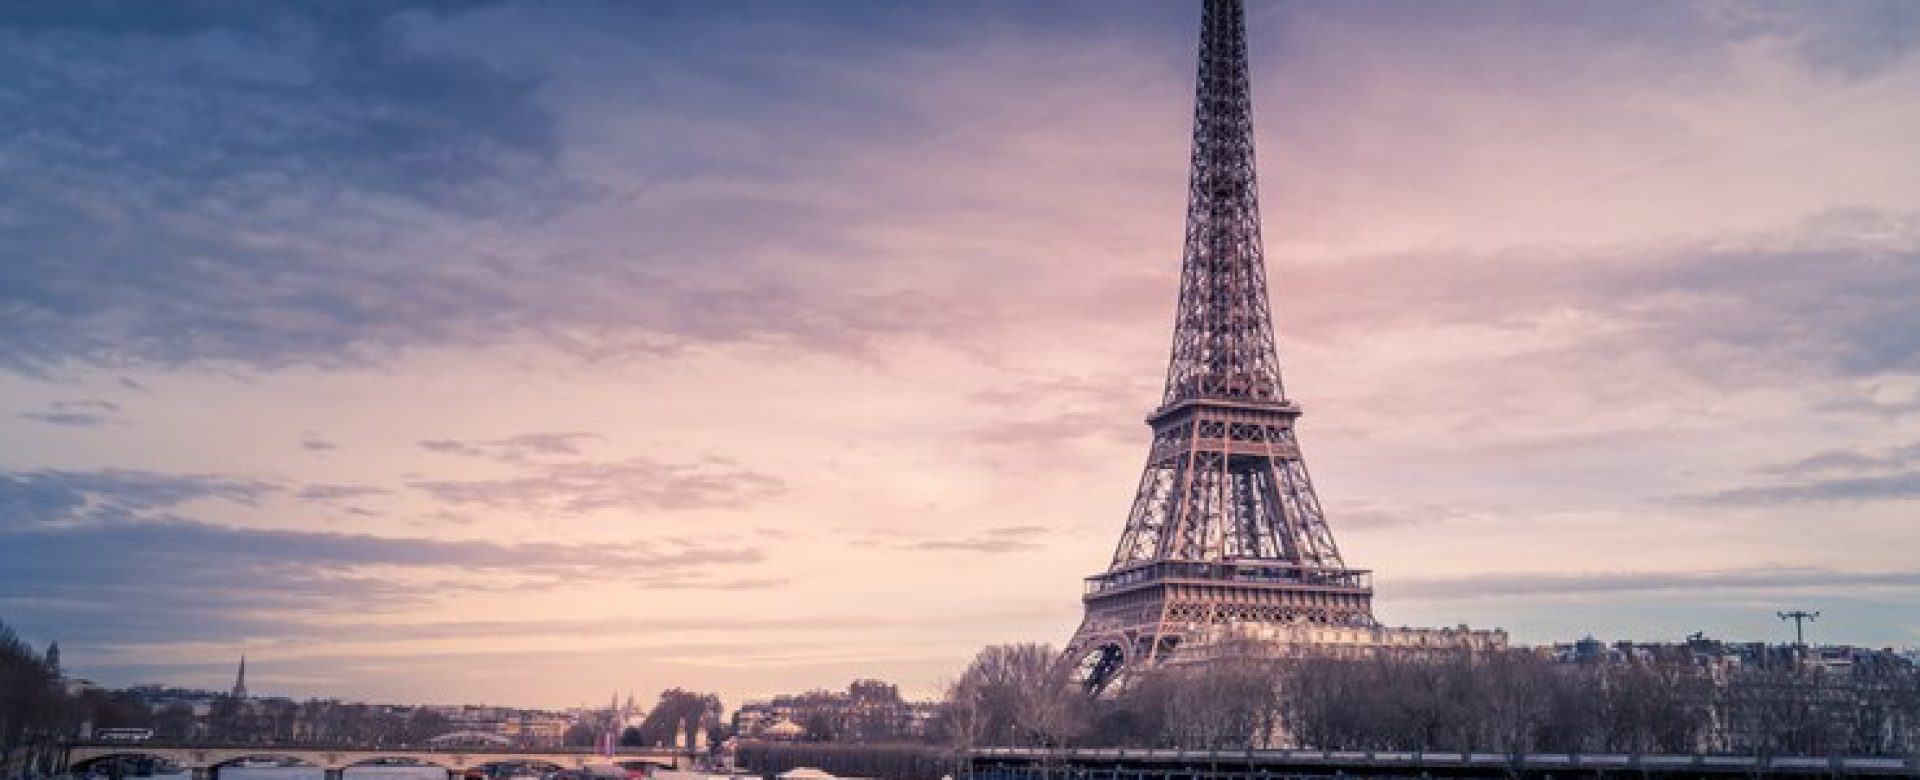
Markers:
point(1799, 617)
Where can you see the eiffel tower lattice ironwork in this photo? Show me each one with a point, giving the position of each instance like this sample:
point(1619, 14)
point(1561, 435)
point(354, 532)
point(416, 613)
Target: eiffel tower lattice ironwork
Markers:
point(1226, 533)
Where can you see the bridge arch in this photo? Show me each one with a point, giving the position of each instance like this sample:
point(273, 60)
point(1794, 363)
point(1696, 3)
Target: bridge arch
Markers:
point(116, 762)
point(504, 761)
point(217, 766)
point(401, 761)
point(280, 758)
point(203, 759)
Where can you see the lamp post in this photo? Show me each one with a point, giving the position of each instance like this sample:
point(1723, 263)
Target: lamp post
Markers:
point(1799, 617)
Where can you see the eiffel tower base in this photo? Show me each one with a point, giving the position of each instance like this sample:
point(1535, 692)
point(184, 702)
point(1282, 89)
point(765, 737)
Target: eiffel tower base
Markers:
point(1163, 612)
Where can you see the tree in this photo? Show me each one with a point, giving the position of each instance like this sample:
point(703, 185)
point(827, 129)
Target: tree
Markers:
point(1647, 709)
point(581, 734)
point(1135, 714)
point(229, 721)
point(1223, 704)
point(423, 724)
point(33, 708)
point(679, 717)
point(114, 709)
point(1017, 695)
point(820, 726)
point(174, 722)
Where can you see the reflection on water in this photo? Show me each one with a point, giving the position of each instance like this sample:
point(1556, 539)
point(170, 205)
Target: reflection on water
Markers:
point(394, 773)
point(272, 773)
point(315, 773)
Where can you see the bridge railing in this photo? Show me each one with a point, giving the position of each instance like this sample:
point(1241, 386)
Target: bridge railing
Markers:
point(1858, 766)
point(349, 747)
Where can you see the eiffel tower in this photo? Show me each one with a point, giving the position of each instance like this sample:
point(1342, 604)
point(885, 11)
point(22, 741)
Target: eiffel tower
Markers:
point(1226, 536)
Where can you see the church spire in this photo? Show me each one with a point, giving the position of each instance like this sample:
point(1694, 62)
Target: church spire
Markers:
point(240, 680)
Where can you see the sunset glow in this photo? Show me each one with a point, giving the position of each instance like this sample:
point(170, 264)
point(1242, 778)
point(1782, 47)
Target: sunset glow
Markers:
point(528, 353)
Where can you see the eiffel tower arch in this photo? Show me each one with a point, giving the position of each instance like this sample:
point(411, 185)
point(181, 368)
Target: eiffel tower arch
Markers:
point(1226, 549)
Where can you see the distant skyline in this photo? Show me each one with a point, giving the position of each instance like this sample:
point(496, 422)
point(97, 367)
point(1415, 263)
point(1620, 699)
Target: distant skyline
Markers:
point(519, 353)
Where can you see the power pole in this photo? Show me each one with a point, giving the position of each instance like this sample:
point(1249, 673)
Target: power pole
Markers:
point(1799, 617)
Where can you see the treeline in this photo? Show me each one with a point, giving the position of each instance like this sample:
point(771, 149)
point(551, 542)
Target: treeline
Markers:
point(283, 721)
point(37, 711)
point(1505, 701)
point(34, 710)
point(679, 719)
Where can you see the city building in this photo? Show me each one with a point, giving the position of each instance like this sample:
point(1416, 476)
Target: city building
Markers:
point(867, 711)
point(1768, 699)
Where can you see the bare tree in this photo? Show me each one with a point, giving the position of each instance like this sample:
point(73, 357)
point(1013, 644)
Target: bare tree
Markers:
point(1136, 713)
point(33, 709)
point(1506, 701)
point(1224, 704)
point(1016, 695)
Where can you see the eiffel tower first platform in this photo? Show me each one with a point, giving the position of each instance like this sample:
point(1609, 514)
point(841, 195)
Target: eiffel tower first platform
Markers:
point(1226, 549)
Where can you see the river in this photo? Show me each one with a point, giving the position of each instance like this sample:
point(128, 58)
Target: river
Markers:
point(315, 773)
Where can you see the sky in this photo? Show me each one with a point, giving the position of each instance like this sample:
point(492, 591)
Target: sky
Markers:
point(527, 352)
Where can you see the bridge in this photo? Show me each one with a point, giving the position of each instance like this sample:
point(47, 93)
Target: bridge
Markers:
point(206, 760)
point(1140, 764)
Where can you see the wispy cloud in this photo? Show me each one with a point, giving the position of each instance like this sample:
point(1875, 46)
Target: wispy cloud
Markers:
point(1364, 514)
point(1830, 294)
point(132, 221)
point(514, 448)
point(83, 413)
point(1847, 461)
point(1050, 412)
point(635, 484)
point(198, 581)
point(67, 497)
point(1005, 539)
point(1901, 486)
point(1627, 582)
point(313, 442)
point(340, 492)
point(1837, 475)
